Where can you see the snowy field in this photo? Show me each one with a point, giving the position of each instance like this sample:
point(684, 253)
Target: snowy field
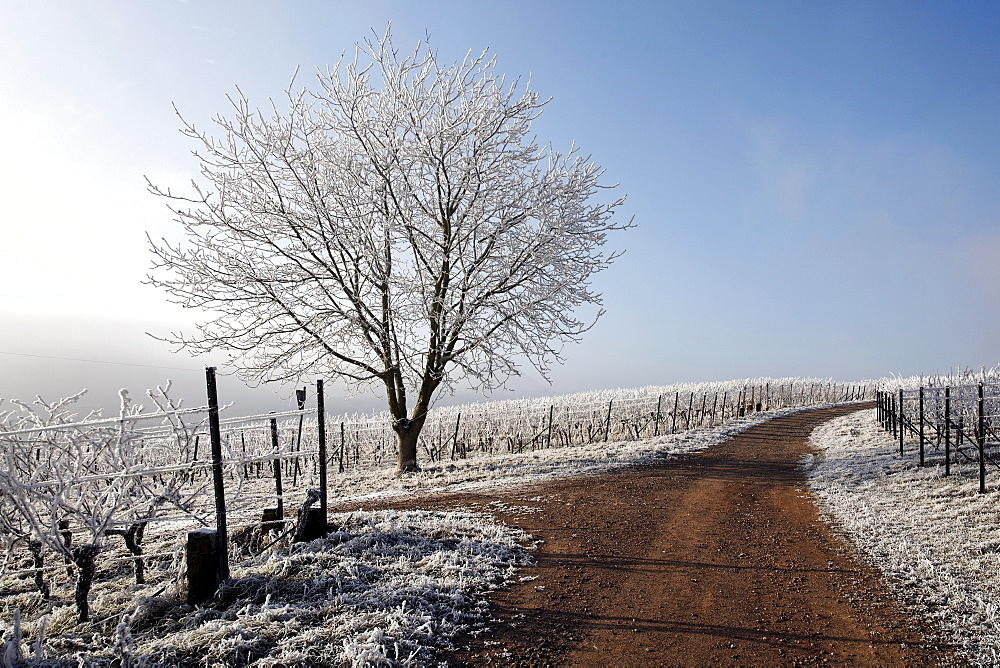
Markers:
point(936, 537)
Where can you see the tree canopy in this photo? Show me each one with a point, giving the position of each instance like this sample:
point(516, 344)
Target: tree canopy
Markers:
point(397, 224)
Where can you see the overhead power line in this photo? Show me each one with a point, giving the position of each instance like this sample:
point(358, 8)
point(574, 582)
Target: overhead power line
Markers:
point(77, 359)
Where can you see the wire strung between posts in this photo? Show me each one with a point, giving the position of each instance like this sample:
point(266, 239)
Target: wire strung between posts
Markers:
point(106, 422)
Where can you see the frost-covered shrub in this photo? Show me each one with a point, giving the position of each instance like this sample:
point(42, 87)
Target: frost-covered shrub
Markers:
point(69, 483)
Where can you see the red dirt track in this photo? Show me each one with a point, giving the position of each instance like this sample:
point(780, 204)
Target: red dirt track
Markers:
point(719, 557)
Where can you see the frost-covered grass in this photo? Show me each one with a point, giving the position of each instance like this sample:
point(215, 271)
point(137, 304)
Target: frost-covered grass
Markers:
point(386, 588)
point(936, 537)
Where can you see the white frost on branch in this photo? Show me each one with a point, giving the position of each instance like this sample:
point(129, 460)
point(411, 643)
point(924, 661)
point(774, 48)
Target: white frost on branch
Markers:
point(399, 223)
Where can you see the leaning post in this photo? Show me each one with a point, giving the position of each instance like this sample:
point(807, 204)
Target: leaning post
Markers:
point(215, 434)
point(300, 402)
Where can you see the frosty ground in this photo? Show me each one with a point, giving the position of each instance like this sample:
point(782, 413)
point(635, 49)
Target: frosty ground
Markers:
point(396, 587)
point(936, 538)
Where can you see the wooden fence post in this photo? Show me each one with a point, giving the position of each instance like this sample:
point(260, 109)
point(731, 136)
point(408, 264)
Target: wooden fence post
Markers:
point(887, 415)
point(454, 438)
point(947, 430)
point(341, 469)
point(673, 421)
point(277, 470)
point(243, 450)
point(215, 434)
point(921, 417)
point(321, 424)
point(300, 400)
point(202, 554)
point(981, 443)
point(892, 414)
point(901, 423)
point(656, 421)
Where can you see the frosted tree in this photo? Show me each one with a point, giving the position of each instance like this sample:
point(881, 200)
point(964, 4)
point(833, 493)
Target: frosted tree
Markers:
point(398, 224)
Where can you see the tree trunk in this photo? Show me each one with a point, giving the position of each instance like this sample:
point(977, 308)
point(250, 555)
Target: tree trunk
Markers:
point(408, 429)
point(407, 438)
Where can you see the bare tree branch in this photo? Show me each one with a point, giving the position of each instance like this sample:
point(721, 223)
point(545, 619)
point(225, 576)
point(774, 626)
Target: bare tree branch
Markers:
point(399, 222)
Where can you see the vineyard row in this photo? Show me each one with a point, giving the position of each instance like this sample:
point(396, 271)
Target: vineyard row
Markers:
point(70, 485)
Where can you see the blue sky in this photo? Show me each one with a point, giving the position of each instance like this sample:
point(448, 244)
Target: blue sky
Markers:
point(815, 185)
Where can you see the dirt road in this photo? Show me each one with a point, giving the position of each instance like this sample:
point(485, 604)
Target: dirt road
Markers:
point(714, 558)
